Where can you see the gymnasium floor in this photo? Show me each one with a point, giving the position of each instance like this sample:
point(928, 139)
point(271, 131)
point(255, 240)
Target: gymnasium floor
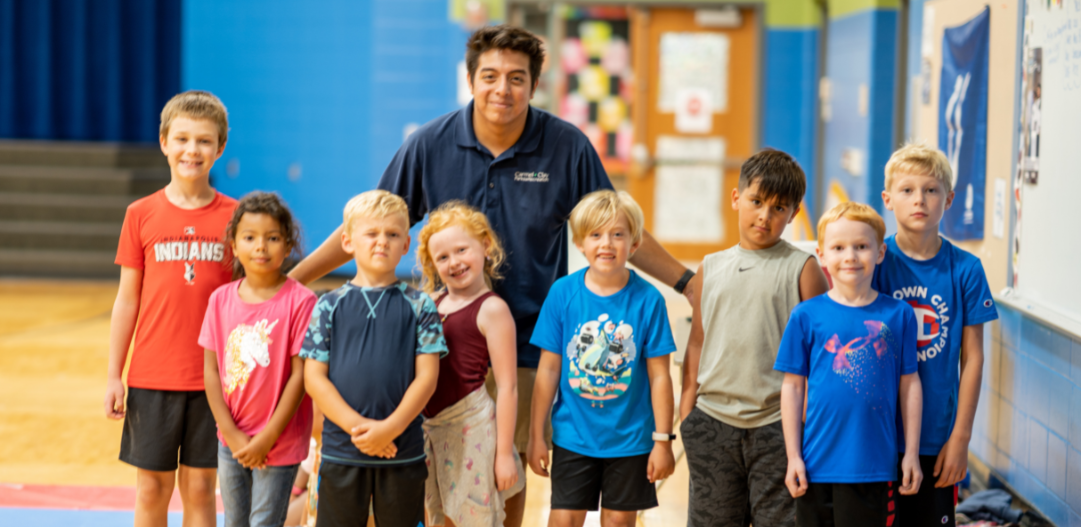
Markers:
point(58, 453)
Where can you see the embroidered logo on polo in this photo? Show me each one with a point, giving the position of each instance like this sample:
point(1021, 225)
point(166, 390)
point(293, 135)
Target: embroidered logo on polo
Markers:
point(932, 332)
point(531, 177)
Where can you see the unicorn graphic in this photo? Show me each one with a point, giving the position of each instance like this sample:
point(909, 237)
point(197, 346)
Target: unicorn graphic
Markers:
point(246, 348)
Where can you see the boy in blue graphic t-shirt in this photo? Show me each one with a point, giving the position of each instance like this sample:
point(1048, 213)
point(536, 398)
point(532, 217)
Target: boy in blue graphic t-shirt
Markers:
point(855, 351)
point(606, 340)
point(372, 362)
point(948, 292)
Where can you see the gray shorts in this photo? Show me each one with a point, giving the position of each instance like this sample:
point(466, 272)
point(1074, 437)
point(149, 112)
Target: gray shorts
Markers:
point(737, 475)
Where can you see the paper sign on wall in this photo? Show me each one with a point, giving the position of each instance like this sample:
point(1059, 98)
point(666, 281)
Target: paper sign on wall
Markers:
point(694, 60)
point(687, 204)
point(694, 111)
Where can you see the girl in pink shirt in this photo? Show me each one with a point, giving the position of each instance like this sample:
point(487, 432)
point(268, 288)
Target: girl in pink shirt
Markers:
point(252, 333)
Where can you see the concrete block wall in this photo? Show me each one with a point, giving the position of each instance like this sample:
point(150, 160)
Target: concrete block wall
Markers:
point(1028, 426)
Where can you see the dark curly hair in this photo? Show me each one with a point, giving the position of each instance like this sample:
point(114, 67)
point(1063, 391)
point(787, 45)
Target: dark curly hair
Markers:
point(505, 37)
point(271, 204)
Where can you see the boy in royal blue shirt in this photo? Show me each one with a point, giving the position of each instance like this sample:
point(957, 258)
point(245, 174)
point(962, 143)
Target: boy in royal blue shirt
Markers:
point(855, 352)
point(372, 361)
point(948, 292)
point(612, 420)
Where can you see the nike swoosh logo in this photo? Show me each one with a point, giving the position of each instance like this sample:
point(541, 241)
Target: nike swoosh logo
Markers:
point(747, 269)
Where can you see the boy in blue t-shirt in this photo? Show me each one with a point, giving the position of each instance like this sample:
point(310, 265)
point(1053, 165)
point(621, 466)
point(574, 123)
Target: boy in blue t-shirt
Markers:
point(372, 361)
point(948, 292)
point(612, 420)
point(855, 352)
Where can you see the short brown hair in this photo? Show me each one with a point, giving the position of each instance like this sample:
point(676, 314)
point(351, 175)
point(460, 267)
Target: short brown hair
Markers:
point(915, 158)
point(778, 175)
point(196, 104)
point(850, 210)
point(505, 37)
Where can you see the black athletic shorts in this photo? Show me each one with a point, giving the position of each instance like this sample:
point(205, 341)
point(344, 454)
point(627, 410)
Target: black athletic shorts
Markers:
point(929, 506)
point(395, 492)
point(847, 505)
point(618, 484)
point(158, 424)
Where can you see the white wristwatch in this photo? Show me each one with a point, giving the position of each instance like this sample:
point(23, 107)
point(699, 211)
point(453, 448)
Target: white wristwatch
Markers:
point(661, 436)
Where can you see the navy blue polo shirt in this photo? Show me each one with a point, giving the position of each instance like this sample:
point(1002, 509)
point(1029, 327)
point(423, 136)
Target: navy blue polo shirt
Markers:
point(527, 193)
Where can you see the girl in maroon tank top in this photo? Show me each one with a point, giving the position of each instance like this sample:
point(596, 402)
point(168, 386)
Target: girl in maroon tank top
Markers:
point(469, 440)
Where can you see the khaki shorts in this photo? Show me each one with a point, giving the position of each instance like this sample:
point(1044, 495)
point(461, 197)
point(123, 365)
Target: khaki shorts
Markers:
point(526, 378)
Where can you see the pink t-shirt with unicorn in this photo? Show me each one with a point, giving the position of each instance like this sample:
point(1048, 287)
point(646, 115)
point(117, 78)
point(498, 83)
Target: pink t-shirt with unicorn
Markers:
point(255, 344)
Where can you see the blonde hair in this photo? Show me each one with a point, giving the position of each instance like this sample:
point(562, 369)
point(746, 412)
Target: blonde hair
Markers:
point(850, 210)
point(916, 158)
point(457, 214)
point(373, 204)
point(602, 207)
point(196, 104)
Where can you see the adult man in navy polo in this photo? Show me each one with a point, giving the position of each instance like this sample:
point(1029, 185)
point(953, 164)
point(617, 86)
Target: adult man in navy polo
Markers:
point(522, 167)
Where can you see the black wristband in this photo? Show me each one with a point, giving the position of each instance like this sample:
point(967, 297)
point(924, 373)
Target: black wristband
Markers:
point(683, 281)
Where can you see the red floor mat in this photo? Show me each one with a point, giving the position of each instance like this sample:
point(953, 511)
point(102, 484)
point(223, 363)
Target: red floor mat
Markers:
point(76, 497)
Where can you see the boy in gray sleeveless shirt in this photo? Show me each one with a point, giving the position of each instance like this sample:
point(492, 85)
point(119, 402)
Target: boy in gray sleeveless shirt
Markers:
point(731, 403)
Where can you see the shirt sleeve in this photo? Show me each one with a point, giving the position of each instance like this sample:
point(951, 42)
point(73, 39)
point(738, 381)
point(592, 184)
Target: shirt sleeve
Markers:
point(548, 332)
point(794, 354)
point(591, 173)
point(317, 339)
point(210, 334)
point(129, 252)
point(404, 177)
point(302, 318)
point(429, 328)
point(909, 363)
point(658, 340)
point(976, 295)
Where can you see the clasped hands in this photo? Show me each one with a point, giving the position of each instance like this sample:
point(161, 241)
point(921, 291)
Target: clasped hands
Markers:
point(374, 438)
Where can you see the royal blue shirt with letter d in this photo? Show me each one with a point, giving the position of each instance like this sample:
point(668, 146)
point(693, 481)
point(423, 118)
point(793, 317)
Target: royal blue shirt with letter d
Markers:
point(603, 407)
point(853, 358)
point(946, 293)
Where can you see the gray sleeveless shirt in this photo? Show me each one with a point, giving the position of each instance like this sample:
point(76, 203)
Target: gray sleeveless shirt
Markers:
point(747, 297)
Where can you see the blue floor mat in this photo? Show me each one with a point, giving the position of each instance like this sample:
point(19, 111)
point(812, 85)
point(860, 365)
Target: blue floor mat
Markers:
point(67, 518)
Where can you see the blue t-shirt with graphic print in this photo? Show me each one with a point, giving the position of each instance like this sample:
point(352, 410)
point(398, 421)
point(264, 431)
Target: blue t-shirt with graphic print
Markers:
point(369, 338)
point(603, 408)
point(853, 358)
point(947, 293)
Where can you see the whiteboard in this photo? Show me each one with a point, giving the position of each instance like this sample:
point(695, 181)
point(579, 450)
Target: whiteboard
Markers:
point(1048, 259)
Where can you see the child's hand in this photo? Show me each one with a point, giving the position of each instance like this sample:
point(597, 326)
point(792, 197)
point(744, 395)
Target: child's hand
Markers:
point(952, 463)
point(661, 462)
point(537, 455)
point(506, 471)
point(796, 477)
point(236, 440)
point(253, 455)
point(373, 437)
point(913, 476)
point(114, 399)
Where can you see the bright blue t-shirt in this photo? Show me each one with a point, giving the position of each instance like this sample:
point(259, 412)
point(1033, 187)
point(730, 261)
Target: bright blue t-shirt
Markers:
point(947, 293)
point(369, 337)
point(603, 408)
point(853, 358)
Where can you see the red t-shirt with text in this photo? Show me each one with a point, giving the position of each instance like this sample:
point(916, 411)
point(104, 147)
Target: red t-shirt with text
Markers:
point(184, 257)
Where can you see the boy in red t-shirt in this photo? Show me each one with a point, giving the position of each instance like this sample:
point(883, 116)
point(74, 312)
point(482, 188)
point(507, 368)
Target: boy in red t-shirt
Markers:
point(173, 256)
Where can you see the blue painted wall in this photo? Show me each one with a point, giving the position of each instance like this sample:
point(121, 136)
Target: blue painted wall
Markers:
point(862, 49)
point(1028, 425)
point(319, 97)
point(789, 114)
point(87, 70)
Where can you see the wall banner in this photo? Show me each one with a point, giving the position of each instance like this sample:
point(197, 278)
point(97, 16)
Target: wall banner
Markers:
point(962, 123)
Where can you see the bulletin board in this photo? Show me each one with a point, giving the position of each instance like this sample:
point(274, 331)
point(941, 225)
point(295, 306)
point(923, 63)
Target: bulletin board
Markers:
point(1047, 181)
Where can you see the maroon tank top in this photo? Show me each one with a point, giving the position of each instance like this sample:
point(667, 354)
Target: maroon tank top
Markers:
point(463, 370)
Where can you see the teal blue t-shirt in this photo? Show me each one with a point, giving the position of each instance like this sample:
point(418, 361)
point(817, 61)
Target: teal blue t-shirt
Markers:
point(603, 407)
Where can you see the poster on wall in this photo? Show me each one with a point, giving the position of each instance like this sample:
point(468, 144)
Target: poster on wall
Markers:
point(962, 124)
point(694, 60)
point(1031, 116)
